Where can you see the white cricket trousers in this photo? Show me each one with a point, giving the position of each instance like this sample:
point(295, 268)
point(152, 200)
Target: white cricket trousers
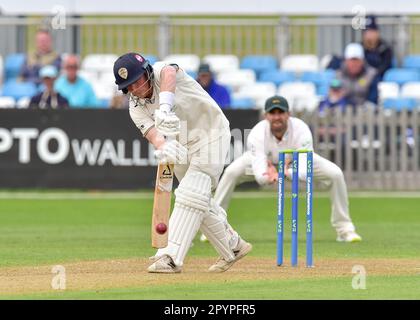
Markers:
point(196, 209)
point(325, 172)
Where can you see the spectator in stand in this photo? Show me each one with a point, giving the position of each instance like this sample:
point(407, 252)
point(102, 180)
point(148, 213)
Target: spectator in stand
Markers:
point(329, 132)
point(43, 56)
point(336, 98)
point(334, 62)
point(218, 92)
point(358, 78)
point(49, 98)
point(119, 101)
point(378, 53)
point(77, 90)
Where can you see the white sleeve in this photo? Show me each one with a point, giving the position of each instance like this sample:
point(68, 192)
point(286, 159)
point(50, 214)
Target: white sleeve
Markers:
point(255, 145)
point(142, 121)
point(157, 69)
point(304, 138)
point(303, 141)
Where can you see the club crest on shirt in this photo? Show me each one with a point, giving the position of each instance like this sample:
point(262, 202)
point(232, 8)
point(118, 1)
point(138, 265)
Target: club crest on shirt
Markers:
point(123, 73)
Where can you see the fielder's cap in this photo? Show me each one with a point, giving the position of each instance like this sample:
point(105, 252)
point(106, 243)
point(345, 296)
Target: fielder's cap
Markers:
point(276, 102)
point(336, 84)
point(128, 69)
point(354, 51)
point(371, 23)
point(48, 72)
point(204, 68)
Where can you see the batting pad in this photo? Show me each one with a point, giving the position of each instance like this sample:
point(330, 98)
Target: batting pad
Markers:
point(217, 230)
point(192, 199)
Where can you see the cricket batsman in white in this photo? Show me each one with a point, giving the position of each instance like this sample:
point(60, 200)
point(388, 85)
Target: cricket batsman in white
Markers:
point(165, 102)
point(279, 131)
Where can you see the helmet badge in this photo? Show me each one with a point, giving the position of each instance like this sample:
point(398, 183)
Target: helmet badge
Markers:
point(123, 73)
point(139, 58)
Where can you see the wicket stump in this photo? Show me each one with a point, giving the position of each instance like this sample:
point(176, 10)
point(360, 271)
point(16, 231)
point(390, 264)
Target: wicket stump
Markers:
point(295, 210)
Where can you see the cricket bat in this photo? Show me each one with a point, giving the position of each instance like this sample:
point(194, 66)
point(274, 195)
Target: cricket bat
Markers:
point(162, 205)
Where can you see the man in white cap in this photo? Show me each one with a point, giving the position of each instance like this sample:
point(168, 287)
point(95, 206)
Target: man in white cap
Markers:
point(358, 78)
point(279, 131)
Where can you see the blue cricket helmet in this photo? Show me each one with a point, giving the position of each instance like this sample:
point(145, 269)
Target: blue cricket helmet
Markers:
point(128, 68)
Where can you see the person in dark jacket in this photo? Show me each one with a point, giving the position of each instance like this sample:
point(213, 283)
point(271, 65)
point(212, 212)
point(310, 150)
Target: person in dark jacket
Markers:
point(49, 98)
point(378, 53)
point(218, 92)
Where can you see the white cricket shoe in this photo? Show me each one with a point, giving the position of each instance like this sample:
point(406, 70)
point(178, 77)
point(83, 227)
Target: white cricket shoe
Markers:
point(163, 264)
point(241, 251)
point(203, 238)
point(349, 236)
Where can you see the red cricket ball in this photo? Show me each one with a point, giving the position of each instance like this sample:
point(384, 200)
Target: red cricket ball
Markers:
point(161, 228)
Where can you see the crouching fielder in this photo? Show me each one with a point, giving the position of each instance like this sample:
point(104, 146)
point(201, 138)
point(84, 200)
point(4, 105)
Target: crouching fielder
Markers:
point(278, 132)
point(166, 102)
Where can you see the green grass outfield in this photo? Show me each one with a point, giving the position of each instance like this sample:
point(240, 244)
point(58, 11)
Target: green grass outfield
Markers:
point(46, 229)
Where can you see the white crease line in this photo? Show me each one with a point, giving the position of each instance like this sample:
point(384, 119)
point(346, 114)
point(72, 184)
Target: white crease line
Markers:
point(77, 196)
point(149, 195)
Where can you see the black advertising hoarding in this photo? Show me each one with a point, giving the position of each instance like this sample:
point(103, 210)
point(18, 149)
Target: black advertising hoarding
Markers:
point(86, 149)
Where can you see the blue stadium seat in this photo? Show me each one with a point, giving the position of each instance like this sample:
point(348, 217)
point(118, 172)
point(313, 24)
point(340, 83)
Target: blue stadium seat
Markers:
point(412, 61)
point(322, 89)
point(318, 78)
point(229, 89)
point(13, 65)
point(401, 76)
point(192, 74)
point(400, 103)
point(259, 63)
point(152, 59)
point(103, 103)
point(18, 90)
point(321, 79)
point(278, 77)
point(242, 103)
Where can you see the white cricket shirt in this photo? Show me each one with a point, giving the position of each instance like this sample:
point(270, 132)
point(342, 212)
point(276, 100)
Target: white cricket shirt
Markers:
point(202, 120)
point(264, 146)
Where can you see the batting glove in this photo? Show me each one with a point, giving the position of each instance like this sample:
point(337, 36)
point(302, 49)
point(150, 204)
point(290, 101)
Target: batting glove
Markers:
point(172, 152)
point(167, 123)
